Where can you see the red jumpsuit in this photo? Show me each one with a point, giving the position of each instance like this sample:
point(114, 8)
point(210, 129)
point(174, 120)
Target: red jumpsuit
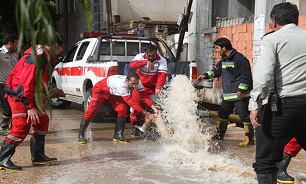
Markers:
point(20, 91)
point(151, 78)
point(293, 147)
point(115, 90)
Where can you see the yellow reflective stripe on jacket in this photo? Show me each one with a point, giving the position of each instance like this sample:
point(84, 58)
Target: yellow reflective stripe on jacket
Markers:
point(210, 74)
point(233, 96)
point(243, 86)
point(228, 65)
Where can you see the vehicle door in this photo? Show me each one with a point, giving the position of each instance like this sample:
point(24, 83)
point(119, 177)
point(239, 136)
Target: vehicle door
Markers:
point(64, 70)
point(76, 70)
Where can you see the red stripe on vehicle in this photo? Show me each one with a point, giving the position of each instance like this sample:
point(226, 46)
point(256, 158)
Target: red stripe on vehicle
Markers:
point(78, 71)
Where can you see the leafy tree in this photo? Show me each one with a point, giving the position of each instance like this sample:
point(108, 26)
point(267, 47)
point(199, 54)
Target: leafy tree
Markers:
point(33, 21)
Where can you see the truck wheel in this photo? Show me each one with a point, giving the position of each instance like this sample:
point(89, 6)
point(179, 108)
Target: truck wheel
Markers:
point(57, 102)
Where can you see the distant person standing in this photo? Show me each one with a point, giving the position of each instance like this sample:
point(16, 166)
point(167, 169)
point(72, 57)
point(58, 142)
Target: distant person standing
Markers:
point(8, 59)
point(237, 83)
point(279, 73)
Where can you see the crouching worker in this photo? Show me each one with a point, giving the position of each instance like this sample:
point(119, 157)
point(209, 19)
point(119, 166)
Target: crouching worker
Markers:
point(20, 93)
point(116, 90)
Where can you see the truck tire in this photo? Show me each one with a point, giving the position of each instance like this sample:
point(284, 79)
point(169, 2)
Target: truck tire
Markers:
point(57, 102)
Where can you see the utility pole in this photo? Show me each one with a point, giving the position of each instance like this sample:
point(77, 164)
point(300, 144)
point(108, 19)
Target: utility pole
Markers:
point(109, 17)
point(184, 26)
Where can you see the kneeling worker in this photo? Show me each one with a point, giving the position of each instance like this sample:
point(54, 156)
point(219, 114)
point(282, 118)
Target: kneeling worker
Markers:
point(116, 90)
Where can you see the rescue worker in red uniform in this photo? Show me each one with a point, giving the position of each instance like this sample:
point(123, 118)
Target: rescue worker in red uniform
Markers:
point(291, 150)
point(20, 93)
point(152, 69)
point(116, 90)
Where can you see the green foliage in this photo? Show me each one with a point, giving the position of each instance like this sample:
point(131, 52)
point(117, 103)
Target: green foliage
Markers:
point(34, 22)
point(86, 5)
point(35, 25)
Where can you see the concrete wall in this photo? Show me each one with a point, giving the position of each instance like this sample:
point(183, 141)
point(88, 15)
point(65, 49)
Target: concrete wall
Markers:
point(232, 8)
point(157, 10)
point(72, 23)
point(301, 4)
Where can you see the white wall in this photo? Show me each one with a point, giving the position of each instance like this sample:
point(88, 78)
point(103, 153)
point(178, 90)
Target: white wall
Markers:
point(160, 10)
point(301, 4)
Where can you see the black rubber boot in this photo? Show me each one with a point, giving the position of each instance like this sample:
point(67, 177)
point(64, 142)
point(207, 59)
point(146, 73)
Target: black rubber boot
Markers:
point(7, 151)
point(266, 178)
point(4, 125)
point(282, 175)
point(119, 129)
point(221, 127)
point(81, 137)
point(249, 135)
point(37, 147)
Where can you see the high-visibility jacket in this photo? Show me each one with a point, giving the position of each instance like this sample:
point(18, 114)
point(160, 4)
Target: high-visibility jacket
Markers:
point(22, 80)
point(151, 78)
point(236, 75)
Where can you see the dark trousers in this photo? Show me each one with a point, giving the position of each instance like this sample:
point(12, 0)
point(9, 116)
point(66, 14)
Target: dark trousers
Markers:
point(227, 107)
point(272, 137)
point(6, 110)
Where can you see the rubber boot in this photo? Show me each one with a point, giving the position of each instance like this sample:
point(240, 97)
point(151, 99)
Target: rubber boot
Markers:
point(4, 125)
point(249, 135)
point(7, 151)
point(119, 129)
point(37, 147)
point(282, 175)
point(266, 178)
point(81, 137)
point(221, 127)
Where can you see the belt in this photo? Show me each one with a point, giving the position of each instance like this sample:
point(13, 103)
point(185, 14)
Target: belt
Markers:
point(294, 100)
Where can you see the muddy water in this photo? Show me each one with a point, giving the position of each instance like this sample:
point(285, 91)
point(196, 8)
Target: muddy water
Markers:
point(183, 155)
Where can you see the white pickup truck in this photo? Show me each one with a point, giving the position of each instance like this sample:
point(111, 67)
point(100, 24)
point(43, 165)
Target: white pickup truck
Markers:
point(93, 59)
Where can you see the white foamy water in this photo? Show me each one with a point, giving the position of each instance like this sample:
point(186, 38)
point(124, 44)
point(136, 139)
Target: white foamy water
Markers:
point(186, 141)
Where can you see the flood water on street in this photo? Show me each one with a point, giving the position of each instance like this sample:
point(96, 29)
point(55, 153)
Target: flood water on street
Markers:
point(183, 153)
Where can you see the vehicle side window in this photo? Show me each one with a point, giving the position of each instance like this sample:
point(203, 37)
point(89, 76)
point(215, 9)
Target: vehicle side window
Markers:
point(69, 57)
point(105, 48)
point(144, 47)
point(132, 48)
point(82, 50)
point(118, 48)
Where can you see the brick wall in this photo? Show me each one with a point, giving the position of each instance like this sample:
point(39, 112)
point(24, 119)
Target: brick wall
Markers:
point(241, 36)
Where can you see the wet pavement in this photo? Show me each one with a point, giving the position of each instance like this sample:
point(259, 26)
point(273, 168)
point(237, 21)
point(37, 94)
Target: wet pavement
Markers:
point(140, 161)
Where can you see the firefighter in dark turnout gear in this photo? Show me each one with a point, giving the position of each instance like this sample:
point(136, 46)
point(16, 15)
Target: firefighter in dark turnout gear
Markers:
point(20, 93)
point(237, 83)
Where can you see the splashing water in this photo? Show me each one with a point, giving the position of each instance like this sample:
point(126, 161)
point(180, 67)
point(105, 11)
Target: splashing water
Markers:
point(186, 139)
